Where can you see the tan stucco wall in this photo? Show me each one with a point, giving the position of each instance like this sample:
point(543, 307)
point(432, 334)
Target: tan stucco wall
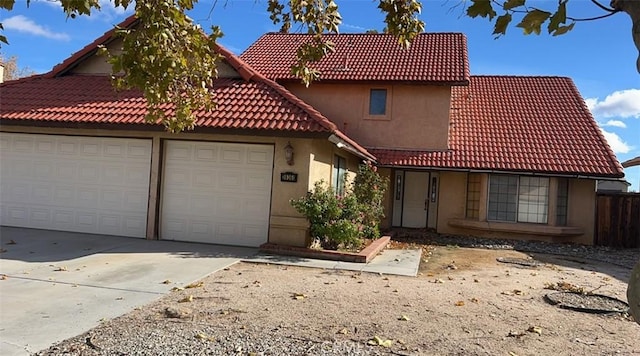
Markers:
point(98, 64)
point(452, 209)
point(582, 208)
point(419, 115)
point(312, 162)
point(452, 200)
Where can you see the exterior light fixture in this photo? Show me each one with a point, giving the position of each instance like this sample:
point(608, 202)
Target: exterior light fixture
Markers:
point(288, 153)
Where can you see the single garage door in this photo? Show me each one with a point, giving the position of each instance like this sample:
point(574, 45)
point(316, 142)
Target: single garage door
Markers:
point(216, 192)
point(71, 183)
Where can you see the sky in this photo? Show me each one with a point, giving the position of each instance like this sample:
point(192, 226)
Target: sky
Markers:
point(598, 55)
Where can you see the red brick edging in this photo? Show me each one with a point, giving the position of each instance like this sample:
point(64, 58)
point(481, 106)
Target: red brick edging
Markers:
point(364, 256)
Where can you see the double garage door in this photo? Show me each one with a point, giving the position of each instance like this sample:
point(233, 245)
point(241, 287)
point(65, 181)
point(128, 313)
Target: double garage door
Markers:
point(210, 192)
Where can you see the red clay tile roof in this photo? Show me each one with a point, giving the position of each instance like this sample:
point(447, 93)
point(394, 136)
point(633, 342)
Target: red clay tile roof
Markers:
point(432, 58)
point(252, 103)
point(84, 98)
point(517, 124)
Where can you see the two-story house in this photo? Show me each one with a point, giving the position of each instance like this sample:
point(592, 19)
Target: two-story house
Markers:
point(501, 156)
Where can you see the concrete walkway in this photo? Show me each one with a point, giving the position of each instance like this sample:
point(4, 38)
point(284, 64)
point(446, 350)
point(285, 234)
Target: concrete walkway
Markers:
point(59, 284)
point(55, 285)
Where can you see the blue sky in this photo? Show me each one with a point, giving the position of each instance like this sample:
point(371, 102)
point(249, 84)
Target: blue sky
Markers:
point(598, 55)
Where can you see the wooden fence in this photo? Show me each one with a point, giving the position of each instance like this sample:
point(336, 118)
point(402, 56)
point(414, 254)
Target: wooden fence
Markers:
point(618, 220)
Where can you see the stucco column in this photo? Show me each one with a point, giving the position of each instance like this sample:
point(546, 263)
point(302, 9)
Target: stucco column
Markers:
point(484, 197)
point(552, 210)
point(154, 181)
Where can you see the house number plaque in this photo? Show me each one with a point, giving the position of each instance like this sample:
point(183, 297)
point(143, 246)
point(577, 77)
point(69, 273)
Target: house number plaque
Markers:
point(289, 177)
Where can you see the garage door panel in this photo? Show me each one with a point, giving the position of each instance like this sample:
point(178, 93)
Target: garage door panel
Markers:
point(82, 184)
point(232, 155)
point(216, 192)
point(63, 219)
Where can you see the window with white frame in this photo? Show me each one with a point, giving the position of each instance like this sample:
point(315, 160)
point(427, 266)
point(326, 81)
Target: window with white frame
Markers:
point(518, 198)
point(338, 179)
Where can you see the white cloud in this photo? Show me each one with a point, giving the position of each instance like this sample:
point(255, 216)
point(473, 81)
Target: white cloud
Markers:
point(353, 27)
point(615, 123)
point(23, 24)
point(616, 143)
point(622, 103)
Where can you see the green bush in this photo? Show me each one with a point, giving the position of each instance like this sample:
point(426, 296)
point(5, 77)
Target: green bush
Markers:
point(344, 221)
point(334, 220)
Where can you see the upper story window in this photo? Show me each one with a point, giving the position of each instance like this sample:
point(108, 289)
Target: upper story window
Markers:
point(378, 102)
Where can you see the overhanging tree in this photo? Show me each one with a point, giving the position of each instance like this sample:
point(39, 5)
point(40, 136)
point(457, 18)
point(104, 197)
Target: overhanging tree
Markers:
point(171, 61)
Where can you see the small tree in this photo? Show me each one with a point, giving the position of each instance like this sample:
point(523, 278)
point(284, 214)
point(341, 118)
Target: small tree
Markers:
point(369, 188)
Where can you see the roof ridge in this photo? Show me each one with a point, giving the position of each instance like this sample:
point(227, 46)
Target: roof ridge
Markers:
point(21, 80)
point(358, 34)
point(518, 76)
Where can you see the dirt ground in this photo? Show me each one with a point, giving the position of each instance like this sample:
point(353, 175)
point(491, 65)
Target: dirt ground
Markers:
point(463, 302)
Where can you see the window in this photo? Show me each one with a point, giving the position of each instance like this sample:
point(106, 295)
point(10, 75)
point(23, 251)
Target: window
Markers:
point(378, 102)
point(563, 202)
point(339, 174)
point(533, 200)
point(522, 199)
point(473, 196)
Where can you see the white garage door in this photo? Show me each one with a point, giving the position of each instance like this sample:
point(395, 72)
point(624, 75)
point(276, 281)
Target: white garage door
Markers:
point(82, 184)
point(216, 192)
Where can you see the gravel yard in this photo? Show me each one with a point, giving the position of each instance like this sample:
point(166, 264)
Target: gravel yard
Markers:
point(464, 302)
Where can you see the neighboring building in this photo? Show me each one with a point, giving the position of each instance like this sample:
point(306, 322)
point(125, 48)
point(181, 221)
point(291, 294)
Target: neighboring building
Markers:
point(613, 186)
point(484, 155)
point(499, 156)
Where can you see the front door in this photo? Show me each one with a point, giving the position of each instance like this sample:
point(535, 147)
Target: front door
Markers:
point(415, 199)
point(415, 204)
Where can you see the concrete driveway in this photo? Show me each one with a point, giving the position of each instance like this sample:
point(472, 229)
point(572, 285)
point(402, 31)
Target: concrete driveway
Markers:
point(55, 285)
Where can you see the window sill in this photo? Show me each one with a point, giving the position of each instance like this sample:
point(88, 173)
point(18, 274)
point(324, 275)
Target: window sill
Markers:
point(385, 117)
point(535, 229)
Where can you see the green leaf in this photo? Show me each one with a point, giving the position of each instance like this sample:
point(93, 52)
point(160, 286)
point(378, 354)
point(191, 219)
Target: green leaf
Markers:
point(511, 4)
point(7, 4)
point(481, 8)
point(533, 20)
point(560, 17)
point(501, 25)
point(4, 39)
point(561, 30)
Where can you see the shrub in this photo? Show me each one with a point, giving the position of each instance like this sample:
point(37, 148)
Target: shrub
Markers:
point(334, 220)
point(343, 221)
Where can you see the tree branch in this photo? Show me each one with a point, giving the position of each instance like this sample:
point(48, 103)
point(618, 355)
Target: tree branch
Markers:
point(603, 7)
point(592, 18)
